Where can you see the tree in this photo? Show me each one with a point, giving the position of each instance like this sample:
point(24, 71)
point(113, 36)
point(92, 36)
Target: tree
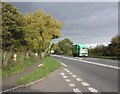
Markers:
point(114, 46)
point(63, 47)
point(12, 31)
point(113, 49)
point(41, 28)
point(12, 28)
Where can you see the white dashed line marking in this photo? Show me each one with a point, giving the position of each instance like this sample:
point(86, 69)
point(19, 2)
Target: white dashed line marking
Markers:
point(76, 90)
point(70, 73)
point(62, 73)
point(65, 69)
point(72, 85)
point(92, 89)
point(78, 79)
point(68, 80)
point(65, 77)
point(85, 84)
point(74, 76)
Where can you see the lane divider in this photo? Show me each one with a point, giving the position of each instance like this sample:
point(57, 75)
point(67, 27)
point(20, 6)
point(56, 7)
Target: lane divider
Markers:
point(85, 84)
point(62, 73)
point(70, 73)
point(76, 90)
point(74, 76)
point(67, 80)
point(72, 85)
point(91, 89)
point(79, 79)
point(65, 77)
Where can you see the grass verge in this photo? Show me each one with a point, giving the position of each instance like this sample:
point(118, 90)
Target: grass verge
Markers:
point(16, 68)
point(49, 65)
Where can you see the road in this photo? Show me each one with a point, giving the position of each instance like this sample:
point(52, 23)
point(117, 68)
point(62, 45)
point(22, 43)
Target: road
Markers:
point(105, 79)
point(80, 75)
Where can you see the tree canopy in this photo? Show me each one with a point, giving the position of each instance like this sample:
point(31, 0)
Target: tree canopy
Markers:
point(12, 27)
point(63, 47)
point(32, 31)
point(40, 29)
point(113, 49)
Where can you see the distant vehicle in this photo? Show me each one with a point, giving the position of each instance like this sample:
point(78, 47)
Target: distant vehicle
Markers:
point(80, 50)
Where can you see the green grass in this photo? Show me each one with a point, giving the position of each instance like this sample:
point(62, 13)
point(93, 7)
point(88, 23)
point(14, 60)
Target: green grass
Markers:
point(50, 65)
point(16, 68)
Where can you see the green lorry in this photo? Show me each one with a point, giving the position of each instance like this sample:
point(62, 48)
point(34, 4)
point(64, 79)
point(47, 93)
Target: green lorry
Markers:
point(80, 50)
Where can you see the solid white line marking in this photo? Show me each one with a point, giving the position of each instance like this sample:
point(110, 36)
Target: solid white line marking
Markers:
point(72, 85)
point(63, 64)
point(76, 90)
point(99, 64)
point(74, 76)
point(92, 89)
point(68, 80)
point(65, 77)
point(78, 79)
point(85, 84)
point(62, 73)
point(12, 88)
point(89, 62)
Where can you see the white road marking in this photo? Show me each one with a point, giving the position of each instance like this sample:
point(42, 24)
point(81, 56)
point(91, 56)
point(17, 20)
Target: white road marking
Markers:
point(65, 69)
point(89, 62)
point(70, 73)
point(74, 76)
point(72, 85)
point(63, 64)
point(78, 79)
point(68, 80)
point(92, 89)
point(76, 90)
point(65, 77)
point(12, 88)
point(85, 84)
point(62, 73)
point(99, 64)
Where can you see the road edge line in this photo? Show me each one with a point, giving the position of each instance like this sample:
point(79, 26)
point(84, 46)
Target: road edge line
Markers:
point(12, 88)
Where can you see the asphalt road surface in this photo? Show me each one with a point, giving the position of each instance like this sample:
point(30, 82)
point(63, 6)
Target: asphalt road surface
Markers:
point(80, 75)
point(99, 73)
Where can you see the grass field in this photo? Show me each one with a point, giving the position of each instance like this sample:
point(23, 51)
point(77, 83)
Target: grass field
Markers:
point(49, 65)
point(16, 68)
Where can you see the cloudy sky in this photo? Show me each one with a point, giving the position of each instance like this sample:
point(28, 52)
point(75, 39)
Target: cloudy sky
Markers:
point(84, 22)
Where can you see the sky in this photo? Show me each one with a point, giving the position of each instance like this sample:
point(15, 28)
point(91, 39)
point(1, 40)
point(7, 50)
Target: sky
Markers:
point(88, 23)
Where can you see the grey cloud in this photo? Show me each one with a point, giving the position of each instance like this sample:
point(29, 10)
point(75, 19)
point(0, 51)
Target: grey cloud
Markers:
point(84, 22)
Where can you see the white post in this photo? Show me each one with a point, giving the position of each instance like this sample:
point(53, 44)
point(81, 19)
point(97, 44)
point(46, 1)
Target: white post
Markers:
point(15, 55)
